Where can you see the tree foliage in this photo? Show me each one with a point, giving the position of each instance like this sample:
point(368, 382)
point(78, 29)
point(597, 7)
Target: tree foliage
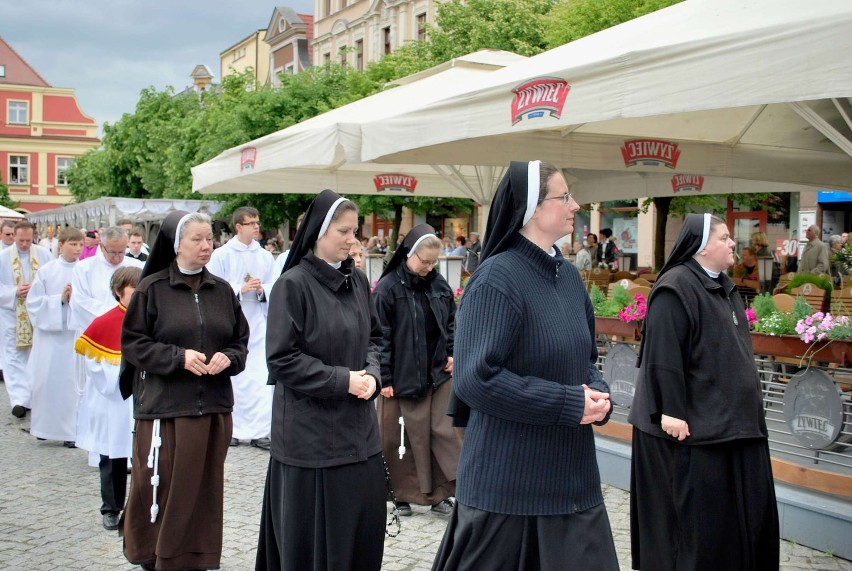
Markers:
point(5, 199)
point(575, 19)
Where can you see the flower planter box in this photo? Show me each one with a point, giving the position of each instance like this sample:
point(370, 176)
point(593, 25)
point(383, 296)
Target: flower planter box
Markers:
point(618, 328)
point(839, 351)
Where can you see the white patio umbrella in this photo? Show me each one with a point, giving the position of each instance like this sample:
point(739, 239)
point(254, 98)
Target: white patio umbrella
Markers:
point(325, 151)
point(732, 91)
point(9, 213)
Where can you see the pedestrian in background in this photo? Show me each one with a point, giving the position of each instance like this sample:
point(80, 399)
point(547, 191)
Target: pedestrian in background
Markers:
point(702, 494)
point(528, 490)
point(324, 500)
point(416, 308)
point(184, 337)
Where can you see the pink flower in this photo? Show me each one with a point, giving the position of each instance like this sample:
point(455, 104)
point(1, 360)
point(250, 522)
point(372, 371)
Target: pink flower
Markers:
point(751, 316)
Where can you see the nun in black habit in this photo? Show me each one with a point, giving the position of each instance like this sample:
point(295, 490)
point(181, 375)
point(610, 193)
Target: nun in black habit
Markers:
point(324, 501)
point(528, 492)
point(702, 493)
point(417, 310)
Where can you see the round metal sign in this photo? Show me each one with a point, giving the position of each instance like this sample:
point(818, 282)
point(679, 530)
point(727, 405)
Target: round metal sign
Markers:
point(813, 408)
point(620, 373)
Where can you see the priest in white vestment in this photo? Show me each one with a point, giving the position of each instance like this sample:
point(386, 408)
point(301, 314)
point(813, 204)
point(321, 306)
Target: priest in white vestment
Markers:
point(7, 238)
point(19, 265)
point(52, 361)
point(50, 242)
point(92, 297)
point(250, 270)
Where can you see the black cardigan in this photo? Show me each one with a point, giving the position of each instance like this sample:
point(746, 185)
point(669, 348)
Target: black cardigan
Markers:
point(165, 317)
point(697, 362)
point(321, 325)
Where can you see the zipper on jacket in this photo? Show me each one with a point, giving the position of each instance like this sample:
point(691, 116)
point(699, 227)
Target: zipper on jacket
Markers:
point(201, 323)
point(414, 303)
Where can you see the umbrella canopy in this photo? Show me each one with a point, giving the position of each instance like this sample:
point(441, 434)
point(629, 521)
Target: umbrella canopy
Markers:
point(9, 213)
point(325, 151)
point(726, 90)
point(108, 211)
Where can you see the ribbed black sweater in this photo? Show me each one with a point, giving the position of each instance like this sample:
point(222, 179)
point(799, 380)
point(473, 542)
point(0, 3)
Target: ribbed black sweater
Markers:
point(524, 346)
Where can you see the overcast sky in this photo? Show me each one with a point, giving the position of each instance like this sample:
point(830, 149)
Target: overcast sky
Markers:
point(109, 50)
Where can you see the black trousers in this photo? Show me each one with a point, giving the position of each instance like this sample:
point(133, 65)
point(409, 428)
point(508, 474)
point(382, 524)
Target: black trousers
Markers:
point(113, 484)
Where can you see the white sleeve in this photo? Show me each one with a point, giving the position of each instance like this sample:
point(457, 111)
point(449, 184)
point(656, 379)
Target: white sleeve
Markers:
point(45, 311)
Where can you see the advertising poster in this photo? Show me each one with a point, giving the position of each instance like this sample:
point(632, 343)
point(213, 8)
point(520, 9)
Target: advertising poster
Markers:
point(626, 232)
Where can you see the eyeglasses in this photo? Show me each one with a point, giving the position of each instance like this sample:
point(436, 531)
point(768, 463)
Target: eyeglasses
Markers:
point(255, 223)
point(565, 198)
point(426, 262)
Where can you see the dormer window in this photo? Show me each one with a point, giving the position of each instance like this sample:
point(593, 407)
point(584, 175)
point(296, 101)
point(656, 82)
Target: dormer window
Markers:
point(2, 71)
point(282, 25)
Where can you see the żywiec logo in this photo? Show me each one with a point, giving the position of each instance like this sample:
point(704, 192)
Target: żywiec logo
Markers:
point(650, 152)
point(535, 98)
point(687, 183)
point(247, 158)
point(395, 182)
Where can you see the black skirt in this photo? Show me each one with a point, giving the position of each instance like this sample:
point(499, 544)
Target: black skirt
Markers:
point(323, 519)
point(476, 540)
point(702, 507)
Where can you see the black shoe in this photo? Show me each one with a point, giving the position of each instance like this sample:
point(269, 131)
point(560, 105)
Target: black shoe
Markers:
point(111, 522)
point(148, 567)
point(69, 444)
point(235, 442)
point(19, 411)
point(262, 443)
point(40, 438)
point(444, 507)
point(403, 508)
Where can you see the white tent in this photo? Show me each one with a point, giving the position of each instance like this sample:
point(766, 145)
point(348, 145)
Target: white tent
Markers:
point(9, 213)
point(728, 90)
point(325, 151)
point(108, 211)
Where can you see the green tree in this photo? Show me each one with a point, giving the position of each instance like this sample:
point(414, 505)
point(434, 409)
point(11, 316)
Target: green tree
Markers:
point(575, 19)
point(5, 199)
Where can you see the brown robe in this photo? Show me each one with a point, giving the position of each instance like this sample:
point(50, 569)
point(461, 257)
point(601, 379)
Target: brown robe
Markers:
point(188, 530)
point(426, 474)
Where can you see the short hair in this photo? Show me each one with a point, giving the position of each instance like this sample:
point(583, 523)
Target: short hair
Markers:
point(343, 207)
point(70, 235)
point(428, 242)
point(124, 277)
point(834, 239)
point(545, 172)
point(194, 217)
point(137, 232)
point(461, 240)
point(124, 221)
point(8, 224)
point(112, 234)
point(815, 229)
point(606, 232)
point(244, 212)
point(25, 224)
point(759, 239)
point(592, 235)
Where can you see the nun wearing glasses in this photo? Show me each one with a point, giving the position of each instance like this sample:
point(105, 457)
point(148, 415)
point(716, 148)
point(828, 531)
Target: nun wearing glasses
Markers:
point(417, 310)
point(528, 492)
point(702, 493)
point(324, 501)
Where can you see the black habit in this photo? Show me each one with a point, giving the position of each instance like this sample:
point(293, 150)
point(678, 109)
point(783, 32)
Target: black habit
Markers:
point(707, 502)
point(324, 501)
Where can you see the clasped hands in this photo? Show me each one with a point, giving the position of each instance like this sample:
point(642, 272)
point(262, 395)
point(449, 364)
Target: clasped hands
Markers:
point(252, 284)
point(361, 384)
point(596, 407)
point(197, 363)
point(674, 427)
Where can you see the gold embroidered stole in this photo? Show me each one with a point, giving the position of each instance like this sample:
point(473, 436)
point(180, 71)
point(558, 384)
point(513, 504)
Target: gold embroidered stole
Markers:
point(23, 327)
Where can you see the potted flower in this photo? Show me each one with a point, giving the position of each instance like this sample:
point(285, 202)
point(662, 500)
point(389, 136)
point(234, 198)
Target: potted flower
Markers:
point(608, 312)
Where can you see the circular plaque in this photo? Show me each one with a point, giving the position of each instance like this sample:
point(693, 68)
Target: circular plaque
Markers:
point(813, 408)
point(620, 373)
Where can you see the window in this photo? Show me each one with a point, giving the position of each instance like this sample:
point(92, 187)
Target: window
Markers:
point(421, 27)
point(359, 55)
point(19, 169)
point(387, 37)
point(341, 54)
point(62, 166)
point(282, 25)
point(289, 69)
point(327, 11)
point(19, 112)
point(326, 58)
point(239, 53)
point(2, 71)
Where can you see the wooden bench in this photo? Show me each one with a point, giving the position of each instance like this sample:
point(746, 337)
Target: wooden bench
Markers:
point(816, 297)
point(598, 277)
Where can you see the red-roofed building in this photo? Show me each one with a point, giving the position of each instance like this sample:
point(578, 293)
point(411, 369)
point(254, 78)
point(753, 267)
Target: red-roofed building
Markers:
point(42, 131)
point(289, 36)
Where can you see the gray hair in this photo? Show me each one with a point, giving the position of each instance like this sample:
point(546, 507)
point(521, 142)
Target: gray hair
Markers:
point(194, 217)
point(112, 234)
point(834, 239)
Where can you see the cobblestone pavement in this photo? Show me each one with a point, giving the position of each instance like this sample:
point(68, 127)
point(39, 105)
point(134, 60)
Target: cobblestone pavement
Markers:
point(49, 517)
